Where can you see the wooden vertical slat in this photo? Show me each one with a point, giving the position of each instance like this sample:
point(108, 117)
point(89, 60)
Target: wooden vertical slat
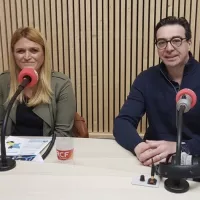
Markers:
point(117, 57)
point(4, 38)
point(30, 11)
point(60, 36)
point(197, 38)
point(83, 58)
point(134, 40)
point(1, 51)
point(145, 35)
point(65, 38)
point(8, 26)
point(164, 8)
point(139, 37)
point(54, 35)
point(13, 15)
point(156, 20)
point(77, 56)
point(94, 64)
point(45, 8)
point(192, 23)
point(111, 63)
point(42, 20)
point(187, 9)
point(71, 43)
point(37, 19)
point(24, 13)
point(19, 13)
point(176, 8)
point(170, 7)
point(139, 47)
point(100, 76)
point(122, 52)
point(105, 82)
point(151, 33)
point(145, 48)
point(128, 47)
point(8, 30)
point(89, 63)
point(181, 8)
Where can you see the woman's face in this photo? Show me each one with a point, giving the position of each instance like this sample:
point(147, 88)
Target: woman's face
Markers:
point(28, 54)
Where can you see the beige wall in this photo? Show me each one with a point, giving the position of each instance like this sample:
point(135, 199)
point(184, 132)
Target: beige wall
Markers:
point(101, 44)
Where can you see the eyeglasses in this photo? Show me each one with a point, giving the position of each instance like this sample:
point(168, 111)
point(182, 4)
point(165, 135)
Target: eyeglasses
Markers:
point(175, 42)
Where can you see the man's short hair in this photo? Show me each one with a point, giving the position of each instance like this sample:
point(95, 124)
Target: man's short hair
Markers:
point(171, 20)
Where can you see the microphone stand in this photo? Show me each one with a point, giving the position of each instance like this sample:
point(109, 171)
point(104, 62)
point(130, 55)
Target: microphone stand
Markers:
point(178, 185)
point(5, 162)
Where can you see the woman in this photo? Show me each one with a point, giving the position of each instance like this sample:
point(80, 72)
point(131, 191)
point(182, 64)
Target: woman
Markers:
point(48, 105)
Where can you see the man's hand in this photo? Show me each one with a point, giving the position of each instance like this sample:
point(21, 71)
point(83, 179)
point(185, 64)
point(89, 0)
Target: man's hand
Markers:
point(142, 151)
point(159, 151)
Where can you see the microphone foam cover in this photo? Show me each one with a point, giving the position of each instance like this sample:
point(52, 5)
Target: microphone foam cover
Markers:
point(189, 92)
point(28, 71)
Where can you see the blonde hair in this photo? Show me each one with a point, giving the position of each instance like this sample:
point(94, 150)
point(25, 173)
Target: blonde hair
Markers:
point(43, 92)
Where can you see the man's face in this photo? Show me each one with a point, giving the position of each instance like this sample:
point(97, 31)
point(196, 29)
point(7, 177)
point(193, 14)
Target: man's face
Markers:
point(175, 54)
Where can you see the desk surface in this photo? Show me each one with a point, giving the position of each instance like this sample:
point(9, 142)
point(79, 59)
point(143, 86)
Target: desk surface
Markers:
point(101, 170)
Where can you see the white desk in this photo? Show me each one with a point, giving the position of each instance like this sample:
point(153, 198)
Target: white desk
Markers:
point(101, 153)
point(101, 170)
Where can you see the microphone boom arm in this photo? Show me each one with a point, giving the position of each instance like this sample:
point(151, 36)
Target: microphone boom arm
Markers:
point(179, 134)
point(8, 163)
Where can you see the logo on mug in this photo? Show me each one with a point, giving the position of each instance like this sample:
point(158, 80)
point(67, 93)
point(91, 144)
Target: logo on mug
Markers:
point(65, 154)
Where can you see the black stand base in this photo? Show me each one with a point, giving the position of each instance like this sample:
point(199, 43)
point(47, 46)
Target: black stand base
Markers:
point(8, 165)
point(176, 186)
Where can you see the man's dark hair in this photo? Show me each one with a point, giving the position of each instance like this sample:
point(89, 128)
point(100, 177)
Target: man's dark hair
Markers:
point(171, 20)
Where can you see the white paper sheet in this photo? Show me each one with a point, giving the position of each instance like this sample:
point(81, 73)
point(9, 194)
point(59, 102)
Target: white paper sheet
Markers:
point(16, 146)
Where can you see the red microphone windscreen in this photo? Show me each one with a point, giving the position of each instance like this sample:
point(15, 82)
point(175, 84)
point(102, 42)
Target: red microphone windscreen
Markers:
point(28, 71)
point(188, 92)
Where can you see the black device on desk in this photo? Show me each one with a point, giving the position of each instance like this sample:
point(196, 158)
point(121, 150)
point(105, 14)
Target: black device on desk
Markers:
point(174, 171)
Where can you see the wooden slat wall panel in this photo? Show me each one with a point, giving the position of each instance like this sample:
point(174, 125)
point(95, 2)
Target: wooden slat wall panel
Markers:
point(102, 45)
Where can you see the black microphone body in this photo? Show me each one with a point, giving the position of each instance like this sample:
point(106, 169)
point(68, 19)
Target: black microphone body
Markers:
point(179, 134)
point(26, 80)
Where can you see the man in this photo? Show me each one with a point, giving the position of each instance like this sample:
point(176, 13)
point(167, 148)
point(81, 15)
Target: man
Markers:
point(154, 92)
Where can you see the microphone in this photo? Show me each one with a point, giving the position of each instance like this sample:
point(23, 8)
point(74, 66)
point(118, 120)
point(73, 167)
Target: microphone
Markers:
point(185, 98)
point(28, 77)
point(176, 172)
